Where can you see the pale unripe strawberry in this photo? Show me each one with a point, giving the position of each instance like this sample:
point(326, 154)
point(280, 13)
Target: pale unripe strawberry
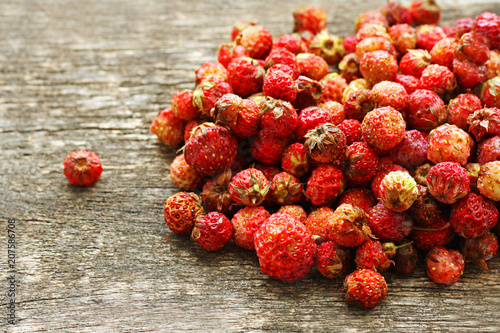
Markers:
point(488, 182)
point(448, 143)
point(398, 191)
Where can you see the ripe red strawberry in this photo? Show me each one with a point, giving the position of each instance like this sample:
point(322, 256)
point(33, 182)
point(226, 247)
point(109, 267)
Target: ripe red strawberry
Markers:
point(487, 24)
point(183, 175)
point(245, 223)
point(443, 52)
point(348, 226)
point(489, 150)
point(358, 104)
point(332, 260)
point(310, 118)
point(181, 211)
point(241, 115)
point(210, 70)
point(280, 85)
point(352, 130)
point(216, 195)
point(182, 105)
point(383, 128)
point(296, 160)
point(287, 263)
point(409, 82)
point(292, 43)
point(278, 117)
point(312, 66)
point(324, 185)
point(411, 151)
point(82, 167)
point(245, 75)
point(328, 46)
point(387, 93)
point(211, 149)
point(295, 210)
point(286, 189)
point(256, 40)
point(377, 66)
point(426, 110)
point(438, 79)
point(365, 288)
point(333, 86)
point(267, 148)
point(336, 111)
point(414, 62)
point(360, 164)
point(208, 92)
point(212, 231)
point(283, 56)
point(448, 143)
point(448, 182)
point(460, 107)
point(370, 44)
point(168, 128)
point(473, 215)
point(484, 123)
point(317, 220)
point(444, 266)
point(440, 233)
point(358, 197)
point(425, 12)
point(249, 187)
point(398, 191)
point(490, 93)
point(309, 18)
point(472, 47)
point(468, 74)
point(309, 93)
point(371, 255)
point(383, 171)
point(488, 181)
point(230, 51)
point(479, 250)
point(396, 13)
point(389, 225)
point(404, 37)
point(326, 143)
point(428, 35)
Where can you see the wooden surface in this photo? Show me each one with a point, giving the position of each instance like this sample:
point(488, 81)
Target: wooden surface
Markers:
point(93, 74)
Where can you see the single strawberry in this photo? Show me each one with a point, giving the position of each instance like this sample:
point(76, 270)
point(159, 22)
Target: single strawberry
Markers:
point(238, 27)
point(398, 191)
point(211, 149)
point(479, 250)
point(487, 24)
point(278, 116)
point(352, 130)
point(312, 66)
point(280, 85)
point(296, 159)
point(490, 93)
point(443, 52)
point(439, 79)
point(428, 35)
point(448, 182)
point(388, 225)
point(328, 46)
point(348, 226)
point(296, 211)
point(353, 86)
point(332, 260)
point(484, 123)
point(336, 111)
point(181, 211)
point(426, 110)
point(383, 128)
point(440, 233)
point(472, 47)
point(365, 288)
point(207, 93)
point(333, 86)
point(215, 194)
point(286, 189)
point(379, 176)
point(448, 143)
point(473, 215)
point(183, 175)
point(444, 266)
point(245, 223)
point(370, 44)
point(267, 147)
point(411, 151)
point(425, 12)
point(317, 220)
point(349, 67)
point(212, 231)
point(82, 167)
point(377, 66)
point(249, 187)
point(309, 18)
point(210, 70)
point(324, 185)
point(414, 62)
point(358, 104)
point(326, 143)
point(460, 107)
point(256, 40)
point(292, 43)
point(182, 105)
point(461, 26)
point(489, 150)
point(370, 16)
point(403, 36)
point(168, 128)
point(310, 118)
point(468, 74)
point(309, 93)
point(488, 180)
point(387, 93)
point(409, 82)
point(241, 115)
point(245, 76)
point(291, 262)
point(360, 164)
point(283, 56)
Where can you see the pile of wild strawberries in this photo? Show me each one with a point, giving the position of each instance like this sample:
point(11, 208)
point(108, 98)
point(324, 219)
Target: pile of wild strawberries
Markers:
point(351, 155)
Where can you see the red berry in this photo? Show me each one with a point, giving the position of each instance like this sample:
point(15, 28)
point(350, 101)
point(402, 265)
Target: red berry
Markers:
point(426, 110)
point(479, 250)
point(256, 40)
point(182, 105)
point(387, 224)
point(352, 130)
point(310, 118)
point(312, 66)
point(428, 36)
point(324, 185)
point(245, 223)
point(309, 18)
point(371, 255)
point(292, 43)
point(286, 189)
point(246, 76)
point(358, 197)
point(296, 160)
point(360, 164)
point(383, 128)
point(267, 148)
point(443, 52)
point(460, 107)
point(448, 182)
point(332, 260)
point(444, 266)
point(317, 220)
point(377, 66)
point(348, 226)
point(365, 288)
point(438, 79)
point(249, 187)
point(326, 143)
point(168, 128)
point(280, 85)
point(414, 62)
point(212, 231)
point(473, 215)
point(82, 167)
point(411, 151)
point(183, 175)
point(181, 211)
point(278, 116)
point(425, 12)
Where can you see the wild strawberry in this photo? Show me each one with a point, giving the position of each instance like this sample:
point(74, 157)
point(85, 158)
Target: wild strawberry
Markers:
point(256, 40)
point(425, 12)
point(438, 79)
point(396, 13)
point(379, 176)
point(181, 211)
point(182, 105)
point(295, 210)
point(183, 175)
point(409, 82)
point(324, 185)
point(278, 116)
point(414, 62)
point(468, 74)
point(287, 263)
point(284, 57)
point(370, 17)
point(487, 24)
point(296, 160)
point(371, 255)
point(212, 231)
point(360, 164)
point(442, 53)
point(489, 150)
point(332, 260)
point(312, 66)
point(374, 29)
point(309, 18)
point(370, 44)
point(473, 215)
point(352, 130)
point(328, 46)
point(349, 67)
point(280, 85)
point(448, 182)
point(398, 190)
point(358, 197)
point(490, 93)
point(358, 104)
point(208, 92)
point(387, 224)
point(245, 76)
point(211, 149)
point(292, 43)
point(333, 86)
point(387, 93)
point(215, 194)
point(210, 70)
point(317, 220)
point(309, 93)
point(377, 66)
point(479, 250)
point(245, 223)
point(168, 128)
point(440, 233)
point(448, 143)
point(488, 181)
point(268, 147)
point(404, 37)
point(444, 266)
point(460, 107)
point(383, 128)
point(310, 118)
point(472, 47)
point(348, 226)
point(365, 288)
point(230, 51)
point(428, 36)
point(426, 110)
point(286, 189)
point(349, 43)
point(82, 167)
point(411, 151)
point(484, 123)
point(249, 187)
point(336, 110)
point(326, 143)
point(406, 257)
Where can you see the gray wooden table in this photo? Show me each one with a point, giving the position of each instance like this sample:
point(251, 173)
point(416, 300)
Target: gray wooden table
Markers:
point(93, 74)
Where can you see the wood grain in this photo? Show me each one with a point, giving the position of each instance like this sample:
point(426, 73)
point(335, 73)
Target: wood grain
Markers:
point(93, 74)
